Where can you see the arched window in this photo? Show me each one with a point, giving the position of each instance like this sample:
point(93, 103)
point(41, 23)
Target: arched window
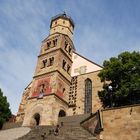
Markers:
point(64, 64)
point(62, 113)
point(51, 61)
point(88, 96)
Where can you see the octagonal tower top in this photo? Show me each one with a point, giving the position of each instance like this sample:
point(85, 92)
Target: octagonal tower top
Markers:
point(62, 23)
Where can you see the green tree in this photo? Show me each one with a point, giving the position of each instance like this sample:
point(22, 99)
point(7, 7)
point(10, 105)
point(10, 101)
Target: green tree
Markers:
point(5, 112)
point(121, 77)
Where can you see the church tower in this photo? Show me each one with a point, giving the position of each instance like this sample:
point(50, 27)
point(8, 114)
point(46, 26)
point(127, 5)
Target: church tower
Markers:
point(48, 94)
point(55, 59)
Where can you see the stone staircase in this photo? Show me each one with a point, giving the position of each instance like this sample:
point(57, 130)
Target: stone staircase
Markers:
point(73, 120)
point(71, 130)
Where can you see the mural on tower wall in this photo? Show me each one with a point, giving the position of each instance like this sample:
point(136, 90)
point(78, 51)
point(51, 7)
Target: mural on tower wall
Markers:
point(60, 89)
point(41, 87)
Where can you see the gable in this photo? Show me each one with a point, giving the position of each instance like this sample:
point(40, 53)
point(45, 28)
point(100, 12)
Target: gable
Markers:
point(82, 65)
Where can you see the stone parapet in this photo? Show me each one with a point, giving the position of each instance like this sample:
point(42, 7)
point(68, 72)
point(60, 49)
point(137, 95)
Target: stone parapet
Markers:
point(121, 123)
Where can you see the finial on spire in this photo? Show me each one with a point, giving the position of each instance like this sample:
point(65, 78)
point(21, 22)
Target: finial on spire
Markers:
point(64, 13)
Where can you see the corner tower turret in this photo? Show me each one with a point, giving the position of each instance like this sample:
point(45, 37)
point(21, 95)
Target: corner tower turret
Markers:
point(62, 23)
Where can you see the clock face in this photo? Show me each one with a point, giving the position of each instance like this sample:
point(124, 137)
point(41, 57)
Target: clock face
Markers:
point(41, 87)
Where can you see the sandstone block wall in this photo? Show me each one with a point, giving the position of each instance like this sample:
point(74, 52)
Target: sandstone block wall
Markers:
point(121, 123)
point(48, 108)
point(21, 110)
point(96, 86)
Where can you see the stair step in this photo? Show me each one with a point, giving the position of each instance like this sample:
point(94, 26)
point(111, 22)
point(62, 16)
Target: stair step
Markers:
point(92, 138)
point(73, 120)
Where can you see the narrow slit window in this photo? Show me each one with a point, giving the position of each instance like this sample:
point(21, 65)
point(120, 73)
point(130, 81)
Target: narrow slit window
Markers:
point(54, 42)
point(51, 61)
point(68, 68)
point(64, 64)
point(66, 44)
point(44, 63)
point(69, 50)
point(48, 44)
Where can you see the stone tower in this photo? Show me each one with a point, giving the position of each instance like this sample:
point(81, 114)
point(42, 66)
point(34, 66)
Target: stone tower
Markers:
point(47, 97)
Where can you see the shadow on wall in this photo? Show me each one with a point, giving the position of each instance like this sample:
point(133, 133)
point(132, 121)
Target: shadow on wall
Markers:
point(35, 121)
point(93, 123)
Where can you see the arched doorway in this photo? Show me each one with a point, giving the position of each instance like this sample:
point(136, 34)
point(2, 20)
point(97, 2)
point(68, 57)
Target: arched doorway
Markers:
point(37, 118)
point(62, 113)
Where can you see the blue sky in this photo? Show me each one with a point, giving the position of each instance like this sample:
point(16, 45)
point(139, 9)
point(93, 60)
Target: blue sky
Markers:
point(103, 28)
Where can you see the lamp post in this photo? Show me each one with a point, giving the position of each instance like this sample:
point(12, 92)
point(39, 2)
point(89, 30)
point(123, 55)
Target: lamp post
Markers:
point(110, 89)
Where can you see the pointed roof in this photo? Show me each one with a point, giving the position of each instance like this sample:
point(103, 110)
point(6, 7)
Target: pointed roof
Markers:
point(64, 16)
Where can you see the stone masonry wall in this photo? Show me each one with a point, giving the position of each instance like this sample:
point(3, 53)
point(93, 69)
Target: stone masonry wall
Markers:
point(96, 86)
point(21, 110)
point(47, 107)
point(121, 124)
